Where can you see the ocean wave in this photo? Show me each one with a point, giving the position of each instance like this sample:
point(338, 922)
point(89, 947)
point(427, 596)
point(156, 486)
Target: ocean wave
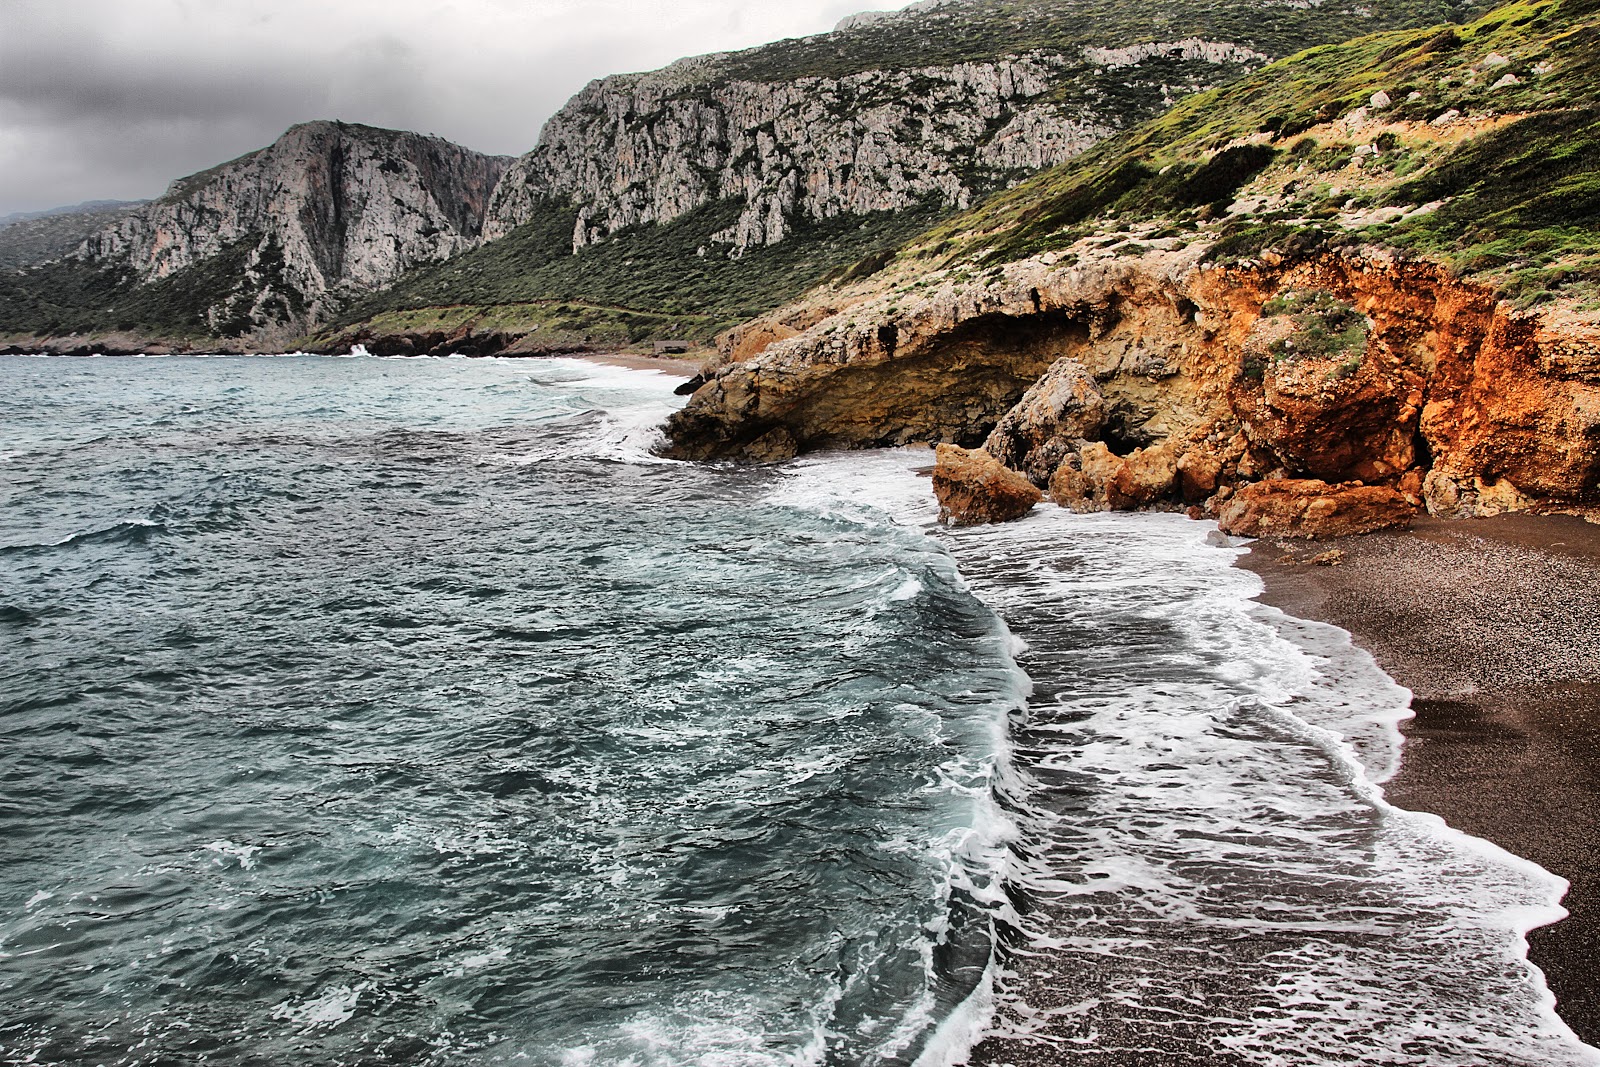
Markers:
point(131, 532)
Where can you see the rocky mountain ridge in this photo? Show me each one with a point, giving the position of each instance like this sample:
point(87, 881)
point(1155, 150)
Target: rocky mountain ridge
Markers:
point(645, 149)
point(30, 237)
point(644, 183)
point(792, 135)
point(328, 209)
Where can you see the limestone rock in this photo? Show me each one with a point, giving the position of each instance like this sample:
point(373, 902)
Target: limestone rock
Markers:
point(1093, 478)
point(974, 488)
point(329, 211)
point(1313, 509)
point(1144, 477)
point(861, 125)
point(1059, 410)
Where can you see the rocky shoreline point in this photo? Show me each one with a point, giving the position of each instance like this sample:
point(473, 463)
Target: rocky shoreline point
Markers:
point(1326, 395)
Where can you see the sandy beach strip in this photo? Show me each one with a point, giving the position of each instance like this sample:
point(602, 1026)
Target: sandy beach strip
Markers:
point(677, 366)
point(1494, 624)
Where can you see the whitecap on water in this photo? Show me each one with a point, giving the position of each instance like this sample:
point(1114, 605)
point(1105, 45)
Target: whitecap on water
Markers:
point(330, 1008)
point(243, 855)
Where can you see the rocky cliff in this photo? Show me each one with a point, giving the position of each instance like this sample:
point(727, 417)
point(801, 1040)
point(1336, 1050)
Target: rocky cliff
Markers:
point(651, 148)
point(1449, 396)
point(1171, 332)
point(937, 104)
point(329, 210)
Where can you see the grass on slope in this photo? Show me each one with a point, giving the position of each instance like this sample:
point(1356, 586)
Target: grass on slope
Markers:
point(548, 325)
point(39, 239)
point(985, 29)
point(70, 296)
point(1498, 119)
point(653, 279)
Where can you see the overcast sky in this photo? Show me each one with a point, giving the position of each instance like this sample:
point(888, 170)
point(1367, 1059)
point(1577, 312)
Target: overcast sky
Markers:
point(112, 99)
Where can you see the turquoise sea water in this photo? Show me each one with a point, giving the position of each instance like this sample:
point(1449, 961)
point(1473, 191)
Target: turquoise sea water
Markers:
point(402, 711)
point(409, 711)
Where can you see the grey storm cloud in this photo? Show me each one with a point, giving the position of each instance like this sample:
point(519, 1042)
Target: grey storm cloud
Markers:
point(112, 99)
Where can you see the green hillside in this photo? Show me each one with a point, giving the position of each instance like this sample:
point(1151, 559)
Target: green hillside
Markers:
point(984, 29)
point(675, 278)
point(674, 270)
point(1487, 157)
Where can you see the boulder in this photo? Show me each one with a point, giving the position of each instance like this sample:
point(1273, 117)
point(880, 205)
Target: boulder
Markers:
point(1060, 410)
point(1093, 478)
point(1303, 507)
point(974, 488)
point(1145, 477)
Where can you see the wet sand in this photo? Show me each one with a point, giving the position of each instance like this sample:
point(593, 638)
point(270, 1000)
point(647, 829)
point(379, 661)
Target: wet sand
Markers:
point(681, 367)
point(1494, 624)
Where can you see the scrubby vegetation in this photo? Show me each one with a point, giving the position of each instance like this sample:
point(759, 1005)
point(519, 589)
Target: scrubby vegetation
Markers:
point(1324, 327)
point(1478, 145)
point(71, 297)
point(32, 239)
point(977, 31)
point(651, 278)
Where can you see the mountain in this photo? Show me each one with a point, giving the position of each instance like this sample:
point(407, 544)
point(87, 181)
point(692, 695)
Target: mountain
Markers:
point(29, 237)
point(693, 197)
point(1372, 266)
point(278, 239)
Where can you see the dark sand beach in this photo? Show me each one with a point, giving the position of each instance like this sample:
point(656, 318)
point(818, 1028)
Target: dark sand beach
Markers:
point(1494, 624)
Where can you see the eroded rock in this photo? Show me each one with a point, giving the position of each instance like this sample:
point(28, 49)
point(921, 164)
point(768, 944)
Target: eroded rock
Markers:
point(1304, 507)
point(1062, 409)
point(974, 488)
point(1439, 392)
point(330, 210)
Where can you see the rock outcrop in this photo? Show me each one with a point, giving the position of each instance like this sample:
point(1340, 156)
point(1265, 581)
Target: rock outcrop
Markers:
point(329, 211)
point(1308, 508)
point(1179, 383)
point(1057, 413)
point(974, 488)
point(28, 238)
point(650, 148)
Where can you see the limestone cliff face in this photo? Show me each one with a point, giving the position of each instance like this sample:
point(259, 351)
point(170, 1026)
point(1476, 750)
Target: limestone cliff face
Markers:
point(328, 211)
point(1442, 394)
point(649, 148)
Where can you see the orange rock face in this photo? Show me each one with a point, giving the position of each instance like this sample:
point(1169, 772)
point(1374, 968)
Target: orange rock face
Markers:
point(974, 488)
point(1126, 382)
point(1303, 507)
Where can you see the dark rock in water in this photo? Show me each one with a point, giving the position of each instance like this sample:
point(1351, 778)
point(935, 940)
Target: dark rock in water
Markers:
point(974, 488)
point(1303, 507)
point(689, 387)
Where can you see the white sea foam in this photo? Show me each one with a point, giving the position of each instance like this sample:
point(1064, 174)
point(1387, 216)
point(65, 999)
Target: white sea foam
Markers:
point(1216, 865)
point(332, 1007)
point(633, 404)
point(479, 961)
point(243, 855)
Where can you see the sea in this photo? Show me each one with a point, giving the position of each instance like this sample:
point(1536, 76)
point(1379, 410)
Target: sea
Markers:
point(413, 711)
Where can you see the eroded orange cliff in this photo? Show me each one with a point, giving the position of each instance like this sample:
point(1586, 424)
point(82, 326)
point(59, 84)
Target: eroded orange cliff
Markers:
point(1347, 368)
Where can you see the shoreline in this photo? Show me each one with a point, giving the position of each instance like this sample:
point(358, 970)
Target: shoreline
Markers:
point(675, 366)
point(1491, 624)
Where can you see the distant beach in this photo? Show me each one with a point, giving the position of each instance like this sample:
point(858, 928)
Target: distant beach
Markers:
point(682, 367)
point(1493, 625)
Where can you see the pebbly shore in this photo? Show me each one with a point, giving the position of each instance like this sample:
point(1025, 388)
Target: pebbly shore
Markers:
point(1494, 624)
